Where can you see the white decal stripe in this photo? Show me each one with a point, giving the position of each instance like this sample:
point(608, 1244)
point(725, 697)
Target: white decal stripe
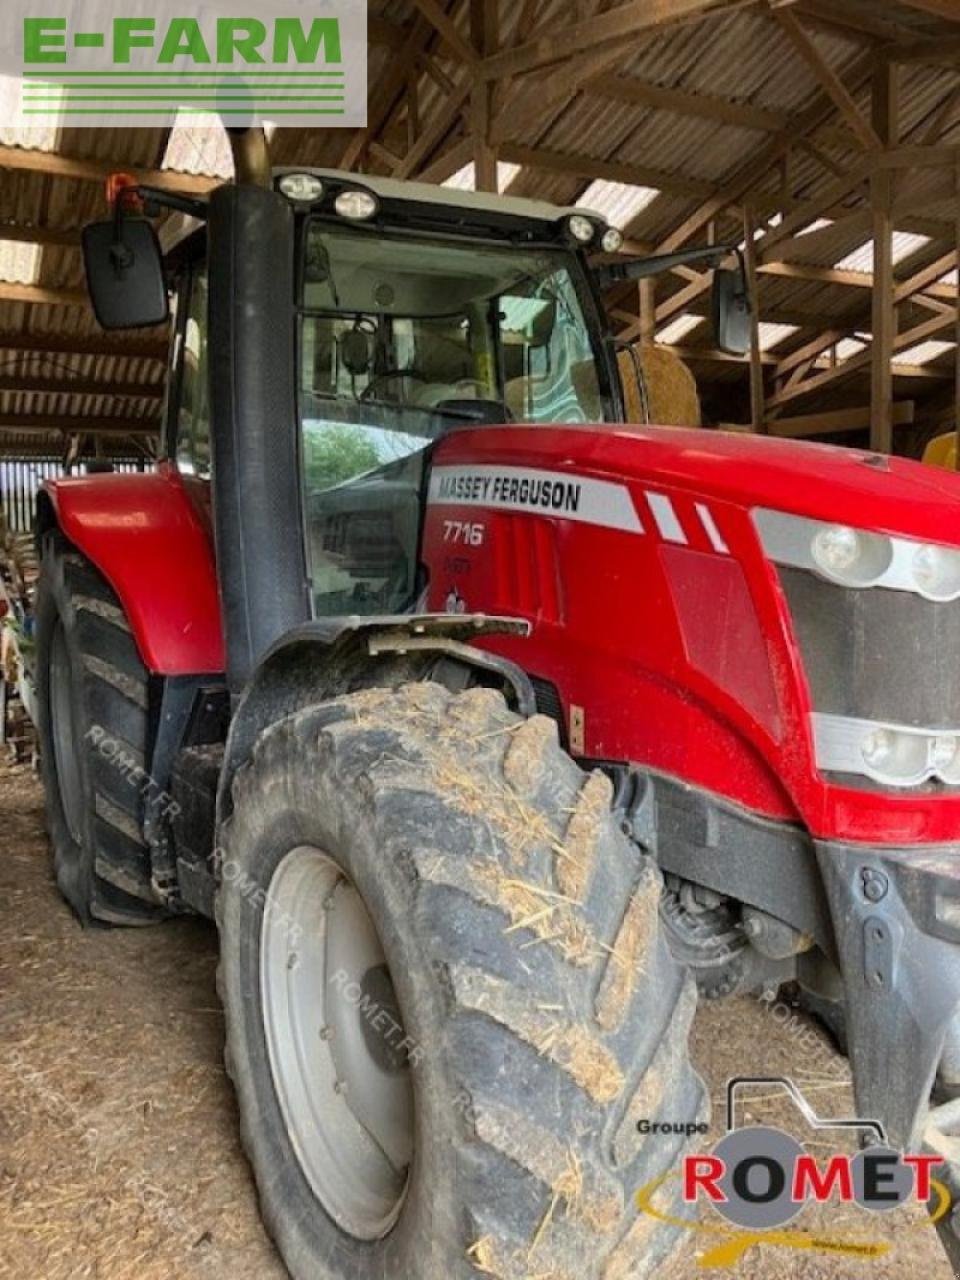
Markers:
point(561, 495)
point(710, 526)
point(670, 527)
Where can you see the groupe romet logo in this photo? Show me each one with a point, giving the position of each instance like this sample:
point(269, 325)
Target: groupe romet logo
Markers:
point(757, 1179)
point(153, 62)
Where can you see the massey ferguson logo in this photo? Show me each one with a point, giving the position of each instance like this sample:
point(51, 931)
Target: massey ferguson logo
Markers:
point(758, 1179)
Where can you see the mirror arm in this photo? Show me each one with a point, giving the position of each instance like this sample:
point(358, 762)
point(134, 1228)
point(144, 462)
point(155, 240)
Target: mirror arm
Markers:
point(189, 205)
point(612, 273)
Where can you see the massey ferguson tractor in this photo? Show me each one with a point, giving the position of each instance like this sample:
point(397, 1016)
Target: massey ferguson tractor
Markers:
point(489, 726)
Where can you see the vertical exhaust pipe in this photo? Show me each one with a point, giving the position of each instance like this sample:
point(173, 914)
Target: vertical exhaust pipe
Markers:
point(261, 558)
point(251, 156)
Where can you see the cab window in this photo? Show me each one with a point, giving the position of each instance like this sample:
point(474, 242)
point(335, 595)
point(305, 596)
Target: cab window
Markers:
point(193, 409)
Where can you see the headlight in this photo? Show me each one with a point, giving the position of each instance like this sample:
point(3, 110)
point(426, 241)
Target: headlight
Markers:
point(612, 241)
point(858, 557)
point(304, 188)
point(936, 571)
point(850, 557)
point(581, 228)
point(359, 206)
point(895, 755)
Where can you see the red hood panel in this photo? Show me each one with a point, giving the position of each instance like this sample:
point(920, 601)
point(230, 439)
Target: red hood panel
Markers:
point(825, 482)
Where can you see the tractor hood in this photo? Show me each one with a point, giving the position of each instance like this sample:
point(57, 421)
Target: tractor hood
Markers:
point(824, 482)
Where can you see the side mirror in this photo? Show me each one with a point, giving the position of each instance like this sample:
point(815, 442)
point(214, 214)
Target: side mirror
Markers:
point(125, 277)
point(732, 325)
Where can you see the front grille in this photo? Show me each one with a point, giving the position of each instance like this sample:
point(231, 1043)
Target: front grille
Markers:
point(875, 654)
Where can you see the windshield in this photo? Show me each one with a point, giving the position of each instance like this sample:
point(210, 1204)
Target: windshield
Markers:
point(402, 337)
point(423, 324)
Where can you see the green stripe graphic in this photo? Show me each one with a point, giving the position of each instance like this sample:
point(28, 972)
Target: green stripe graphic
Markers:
point(161, 111)
point(192, 97)
point(56, 75)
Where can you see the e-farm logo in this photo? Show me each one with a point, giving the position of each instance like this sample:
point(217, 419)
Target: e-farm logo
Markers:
point(150, 62)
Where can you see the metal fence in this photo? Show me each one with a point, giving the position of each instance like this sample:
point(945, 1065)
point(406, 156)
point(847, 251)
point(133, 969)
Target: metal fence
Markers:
point(20, 478)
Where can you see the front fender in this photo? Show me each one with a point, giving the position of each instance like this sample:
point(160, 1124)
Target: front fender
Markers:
point(332, 656)
point(145, 536)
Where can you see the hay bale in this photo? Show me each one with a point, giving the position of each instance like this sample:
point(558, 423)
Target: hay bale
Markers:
point(669, 396)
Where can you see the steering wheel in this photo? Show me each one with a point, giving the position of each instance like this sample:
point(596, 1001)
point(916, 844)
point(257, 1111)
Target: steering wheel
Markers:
point(387, 376)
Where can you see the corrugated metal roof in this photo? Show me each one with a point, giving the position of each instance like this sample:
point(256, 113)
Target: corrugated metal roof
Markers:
point(618, 202)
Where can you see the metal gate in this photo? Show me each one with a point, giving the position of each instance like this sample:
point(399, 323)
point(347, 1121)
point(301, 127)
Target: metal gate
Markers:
point(20, 478)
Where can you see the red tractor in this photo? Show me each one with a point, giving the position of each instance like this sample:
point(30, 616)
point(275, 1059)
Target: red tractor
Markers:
point(490, 727)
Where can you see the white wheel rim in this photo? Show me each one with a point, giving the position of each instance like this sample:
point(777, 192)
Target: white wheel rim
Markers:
point(338, 1052)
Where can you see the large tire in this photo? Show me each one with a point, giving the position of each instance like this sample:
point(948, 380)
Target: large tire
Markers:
point(93, 703)
point(521, 933)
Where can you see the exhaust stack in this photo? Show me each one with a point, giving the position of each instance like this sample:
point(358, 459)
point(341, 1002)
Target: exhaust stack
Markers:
point(251, 156)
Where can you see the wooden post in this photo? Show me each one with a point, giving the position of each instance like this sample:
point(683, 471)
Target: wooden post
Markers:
point(883, 304)
point(757, 405)
point(648, 311)
point(484, 31)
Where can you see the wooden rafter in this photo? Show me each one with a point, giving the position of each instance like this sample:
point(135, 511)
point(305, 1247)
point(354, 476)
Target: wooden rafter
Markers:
point(69, 386)
point(611, 170)
point(828, 79)
point(389, 91)
point(38, 295)
point(946, 9)
point(447, 30)
point(55, 165)
point(616, 24)
point(27, 234)
point(87, 426)
point(84, 345)
point(707, 107)
point(531, 106)
point(862, 361)
point(836, 420)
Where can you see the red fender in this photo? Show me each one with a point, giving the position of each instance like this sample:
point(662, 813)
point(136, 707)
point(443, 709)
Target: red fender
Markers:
point(152, 541)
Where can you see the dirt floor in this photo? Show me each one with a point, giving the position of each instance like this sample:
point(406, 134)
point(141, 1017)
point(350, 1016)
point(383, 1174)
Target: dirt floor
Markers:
point(119, 1157)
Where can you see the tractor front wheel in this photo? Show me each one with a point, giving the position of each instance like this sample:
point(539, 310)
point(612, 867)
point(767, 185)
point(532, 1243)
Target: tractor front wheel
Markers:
point(448, 1001)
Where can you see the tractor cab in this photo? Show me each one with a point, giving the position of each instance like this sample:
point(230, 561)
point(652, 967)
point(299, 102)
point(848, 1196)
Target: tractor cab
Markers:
point(412, 310)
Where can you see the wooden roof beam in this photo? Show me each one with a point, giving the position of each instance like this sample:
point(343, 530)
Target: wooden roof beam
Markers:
point(611, 170)
point(862, 360)
point(820, 424)
point(389, 91)
point(447, 30)
point(86, 426)
point(39, 295)
point(58, 166)
point(829, 81)
point(25, 234)
point(946, 49)
point(84, 345)
point(828, 14)
point(749, 175)
point(639, 92)
point(81, 387)
point(928, 275)
point(625, 20)
point(945, 9)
